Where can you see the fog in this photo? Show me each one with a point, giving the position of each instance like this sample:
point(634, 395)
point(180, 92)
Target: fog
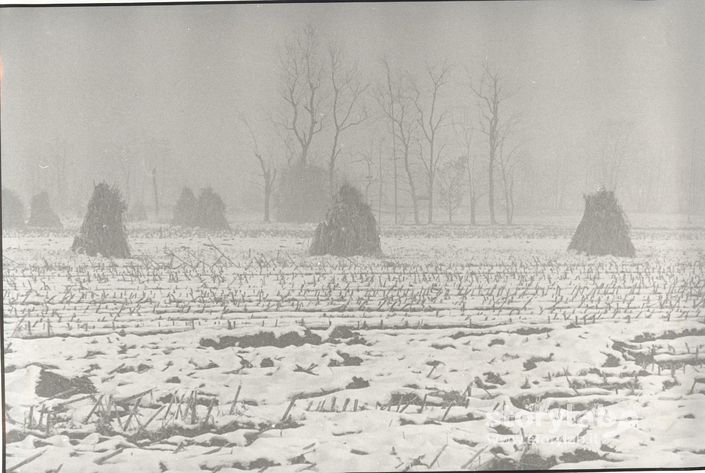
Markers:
point(93, 93)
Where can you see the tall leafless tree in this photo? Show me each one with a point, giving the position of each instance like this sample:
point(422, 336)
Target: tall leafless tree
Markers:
point(431, 120)
point(385, 95)
point(301, 78)
point(491, 94)
point(269, 172)
point(693, 203)
point(396, 103)
point(368, 161)
point(347, 107)
point(508, 160)
point(464, 135)
point(451, 176)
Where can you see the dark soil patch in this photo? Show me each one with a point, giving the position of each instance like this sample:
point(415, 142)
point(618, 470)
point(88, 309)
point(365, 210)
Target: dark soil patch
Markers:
point(669, 335)
point(348, 360)
point(494, 378)
point(340, 332)
point(260, 464)
point(582, 406)
point(533, 461)
point(532, 330)
point(503, 430)
point(357, 383)
point(580, 455)
point(51, 384)
point(530, 364)
point(262, 339)
point(524, 400)
point(518, 331)
point(15, 435)
point(611, 361)
point(405, 398)
point(141, 368)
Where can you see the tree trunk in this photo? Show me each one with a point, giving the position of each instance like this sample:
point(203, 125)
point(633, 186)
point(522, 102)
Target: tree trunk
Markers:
point(511, 204)
point(156, 192)
point(412, 188)
point(396, 188)
point(267, 196)
point(331, 178)
point(473, 210)
point(430, 199)
point(331, 162)
point(381, 183)
point(490, 190)
point(508, 182)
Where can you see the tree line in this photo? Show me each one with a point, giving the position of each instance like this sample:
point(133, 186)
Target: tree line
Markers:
point(425, 143)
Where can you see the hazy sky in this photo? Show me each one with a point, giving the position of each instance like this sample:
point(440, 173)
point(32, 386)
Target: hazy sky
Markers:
point(94, 79)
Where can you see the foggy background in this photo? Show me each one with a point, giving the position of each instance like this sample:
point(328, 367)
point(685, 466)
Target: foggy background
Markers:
point(609, 89)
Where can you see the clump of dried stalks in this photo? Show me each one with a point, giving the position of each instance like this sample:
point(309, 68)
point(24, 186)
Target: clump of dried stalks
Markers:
point(12, 210)
point(349, 228)
point(208, 211)
point(41, 214)
point(604, 229)
point(103, 231)
point(185, 208)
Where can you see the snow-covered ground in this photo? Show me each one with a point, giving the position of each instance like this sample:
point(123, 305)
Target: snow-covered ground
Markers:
point(460, 348)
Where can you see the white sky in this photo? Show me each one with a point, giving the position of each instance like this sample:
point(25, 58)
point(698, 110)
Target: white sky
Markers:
point(182, 75)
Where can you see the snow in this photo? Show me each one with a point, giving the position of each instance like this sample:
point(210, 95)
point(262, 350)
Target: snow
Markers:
point(438, 318)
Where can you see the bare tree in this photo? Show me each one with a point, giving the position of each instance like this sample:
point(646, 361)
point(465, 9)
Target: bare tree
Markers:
point(693, 181)
point(367, 159)
point(347, 108)
point(380, 193)
point(371, 159)
point(391, 113)
point(464, 134)
point(301, 76)
point(125, 156)
point(451, 176)
point(491, 94)
point(60, 173)
point(559, 179)
point(386, 97)
point(269, 172)
point(430, 121)
point(508, 160)
point(396, 103)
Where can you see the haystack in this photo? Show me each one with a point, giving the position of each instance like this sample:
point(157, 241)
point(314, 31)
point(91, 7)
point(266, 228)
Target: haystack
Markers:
point(210, 211)
point(349, 228)
point(604, 229)
point(41, 214)
point(12, 210)
point(185, 209)
point(103, 231)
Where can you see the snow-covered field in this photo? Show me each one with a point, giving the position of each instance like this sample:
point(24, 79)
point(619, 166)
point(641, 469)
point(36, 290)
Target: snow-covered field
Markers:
point(462, 348)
